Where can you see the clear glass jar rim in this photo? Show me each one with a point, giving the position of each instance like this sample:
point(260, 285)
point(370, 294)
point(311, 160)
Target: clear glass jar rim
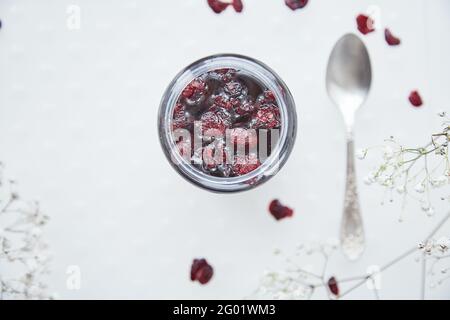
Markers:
point(264, 74)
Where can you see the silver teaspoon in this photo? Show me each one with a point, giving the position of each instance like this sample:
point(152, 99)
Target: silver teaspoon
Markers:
point(348, 80)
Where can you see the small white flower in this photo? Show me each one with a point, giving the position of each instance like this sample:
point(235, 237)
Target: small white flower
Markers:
point(400, 189)
point(388, 152)
point(425, 206)
point(430, 211)
point(443, 243)
point(420, 188)
point(361, 154)
point(439, 181)
point(442, 113)
point(370, 178)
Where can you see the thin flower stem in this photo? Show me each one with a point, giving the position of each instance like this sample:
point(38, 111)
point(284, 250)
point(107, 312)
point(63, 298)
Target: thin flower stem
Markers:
point(399, 258)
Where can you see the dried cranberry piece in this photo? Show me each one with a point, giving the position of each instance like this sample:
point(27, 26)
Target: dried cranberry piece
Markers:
point(201, 271)
point(242, 136)
point(223, 74)
point(266, 97)
point(214, 154)
point(390, 38)
point(238, 5)
point(365, 24)
point(415, 98)
point(235, 89)
point(296, 4)
point(181, 118)
point(279, 211)
point(216, 118)
point(222, 101)
point(333, 286)
point(217, 6)
point(267, 117)
point(244, 108)
point(195, 92)
point(245, 164)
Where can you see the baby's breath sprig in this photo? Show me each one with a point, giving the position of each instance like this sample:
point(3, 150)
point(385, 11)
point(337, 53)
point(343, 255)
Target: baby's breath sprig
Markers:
point(24, 255)
point(414, 171)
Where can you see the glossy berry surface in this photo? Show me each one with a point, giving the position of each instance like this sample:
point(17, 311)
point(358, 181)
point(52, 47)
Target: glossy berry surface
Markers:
point(224, 110)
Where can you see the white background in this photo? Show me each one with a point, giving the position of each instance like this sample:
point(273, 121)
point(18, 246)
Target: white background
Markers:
point(78, 113)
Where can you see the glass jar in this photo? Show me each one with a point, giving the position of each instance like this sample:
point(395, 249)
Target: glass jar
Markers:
point(286, 135)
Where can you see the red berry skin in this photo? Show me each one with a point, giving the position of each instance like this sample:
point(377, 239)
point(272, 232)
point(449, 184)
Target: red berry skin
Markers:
point(217, 6)
point(365, 24)
point(296, 4)
point(267, 117)
point(333, 286)
point(390, 38)
point(415, 98)
point(279, 211)
point(244, 165)
point(238, 5)
point(201, 271)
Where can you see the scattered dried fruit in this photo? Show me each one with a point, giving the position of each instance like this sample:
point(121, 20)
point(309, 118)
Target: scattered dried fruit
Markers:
point(390, 38)
point(365, 24)
point(226, 104)
point(201, 271)
point(279, 211)
point(415, 98)
point(296, 4)
point(218, 6)
point(267, 117)
point(244, 165)
point(333, 286)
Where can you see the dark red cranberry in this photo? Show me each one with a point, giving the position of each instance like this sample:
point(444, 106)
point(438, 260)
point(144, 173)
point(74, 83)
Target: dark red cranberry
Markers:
point(238, 5)
point(333, 286)
point(267, 117)
point(214, 154)
point(234, 89)
point(195, 92)
point(266, 97)
point(365, 24)
point(296, 4)
point(390, 38)
point(245, 164)
point(223, 101)
point(181, 119)
point(201, 271)
point(415, 98)
point(279, 211)
point(244, 108)
point(217, 6)
point(242, 136)
point(216, 118)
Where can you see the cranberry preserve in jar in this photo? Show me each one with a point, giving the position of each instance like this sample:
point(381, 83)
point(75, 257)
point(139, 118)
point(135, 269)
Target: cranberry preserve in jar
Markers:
point(227, 123)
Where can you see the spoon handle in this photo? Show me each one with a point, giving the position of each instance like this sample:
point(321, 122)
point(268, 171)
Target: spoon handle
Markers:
point(352, 232)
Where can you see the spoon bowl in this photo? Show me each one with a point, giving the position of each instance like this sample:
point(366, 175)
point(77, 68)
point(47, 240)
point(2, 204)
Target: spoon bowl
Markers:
point(349, 76)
